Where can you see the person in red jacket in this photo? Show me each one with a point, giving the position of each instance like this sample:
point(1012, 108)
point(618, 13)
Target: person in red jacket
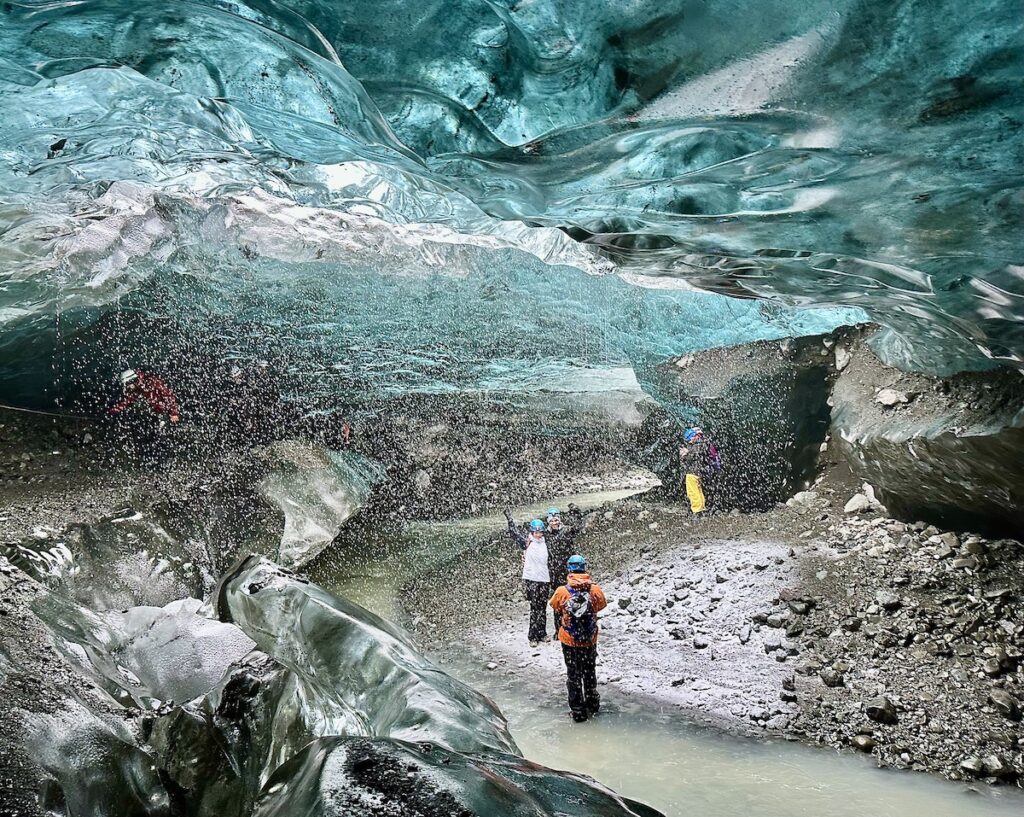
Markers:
point(157, 395)
point(578, 602)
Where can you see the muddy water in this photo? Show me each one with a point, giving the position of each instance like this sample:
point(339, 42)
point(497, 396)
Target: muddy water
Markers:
point(651, 755)
point(685, 769)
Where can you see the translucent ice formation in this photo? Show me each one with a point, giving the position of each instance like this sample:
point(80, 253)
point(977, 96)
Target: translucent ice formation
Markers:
point(248, 167)
point(360, 672)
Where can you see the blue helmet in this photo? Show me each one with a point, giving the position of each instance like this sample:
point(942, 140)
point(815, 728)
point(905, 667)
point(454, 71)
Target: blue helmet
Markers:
point(553, 511)
point(536, 525)
point(692, 434)
point(576, 564)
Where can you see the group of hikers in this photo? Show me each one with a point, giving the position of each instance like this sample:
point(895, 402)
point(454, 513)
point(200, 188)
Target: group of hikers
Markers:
point(555, 576)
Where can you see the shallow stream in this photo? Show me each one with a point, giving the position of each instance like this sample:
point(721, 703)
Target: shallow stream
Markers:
point(642, 752)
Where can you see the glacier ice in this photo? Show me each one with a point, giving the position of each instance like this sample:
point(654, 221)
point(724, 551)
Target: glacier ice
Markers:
point(363, 670)
point(116, 563)
point(294, 700)
point(317, 490)
point(851, 155)
point(145, 657)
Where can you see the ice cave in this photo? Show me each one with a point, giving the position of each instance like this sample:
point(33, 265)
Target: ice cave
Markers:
point(329, 331)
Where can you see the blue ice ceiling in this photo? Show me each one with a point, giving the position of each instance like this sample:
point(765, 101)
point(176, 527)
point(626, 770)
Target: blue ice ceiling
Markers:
point(400, 193)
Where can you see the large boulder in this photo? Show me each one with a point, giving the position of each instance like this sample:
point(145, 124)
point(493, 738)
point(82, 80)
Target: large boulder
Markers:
point(943, 450)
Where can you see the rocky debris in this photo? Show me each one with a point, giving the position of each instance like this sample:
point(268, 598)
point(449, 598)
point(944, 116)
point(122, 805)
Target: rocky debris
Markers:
point(891, 397)
point(865, 598)
point(858, 503)
point(689, 628)
point(929, 645)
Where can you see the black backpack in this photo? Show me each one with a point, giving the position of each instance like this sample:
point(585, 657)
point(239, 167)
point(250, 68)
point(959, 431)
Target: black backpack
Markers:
point(579, 619)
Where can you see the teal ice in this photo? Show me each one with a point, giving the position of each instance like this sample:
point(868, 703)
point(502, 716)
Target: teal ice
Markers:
point(478, 194)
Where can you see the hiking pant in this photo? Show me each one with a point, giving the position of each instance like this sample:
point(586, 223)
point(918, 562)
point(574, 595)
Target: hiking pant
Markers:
point(538, 594)
point(695, 493)
point(581, 680)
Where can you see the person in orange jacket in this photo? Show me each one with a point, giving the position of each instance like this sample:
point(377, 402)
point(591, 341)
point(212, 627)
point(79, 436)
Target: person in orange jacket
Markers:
point(578, 602)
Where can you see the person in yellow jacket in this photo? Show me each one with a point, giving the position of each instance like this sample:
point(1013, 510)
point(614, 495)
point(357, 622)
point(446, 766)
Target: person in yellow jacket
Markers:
point(578, 602)
point(699, 460)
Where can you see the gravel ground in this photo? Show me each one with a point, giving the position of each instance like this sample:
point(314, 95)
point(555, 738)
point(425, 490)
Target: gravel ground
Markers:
point(850, 630)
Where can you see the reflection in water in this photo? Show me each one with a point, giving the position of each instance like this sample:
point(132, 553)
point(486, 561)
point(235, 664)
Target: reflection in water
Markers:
point(641, 751)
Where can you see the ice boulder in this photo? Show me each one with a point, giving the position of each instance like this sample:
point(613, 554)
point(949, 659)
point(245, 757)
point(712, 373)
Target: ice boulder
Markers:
point(376, 680)
point(316, 490)
point(360, 777)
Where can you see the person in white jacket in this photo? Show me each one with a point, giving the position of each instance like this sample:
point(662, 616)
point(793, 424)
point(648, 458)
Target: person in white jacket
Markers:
point(536, 577)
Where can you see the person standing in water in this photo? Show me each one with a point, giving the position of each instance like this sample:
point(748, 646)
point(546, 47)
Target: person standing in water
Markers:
point(536, 576)
point(700, 462)
point(578, 602)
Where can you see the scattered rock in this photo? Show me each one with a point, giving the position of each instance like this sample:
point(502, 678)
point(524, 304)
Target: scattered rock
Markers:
point(858, 504)
point(891, 397)
point(1007, 705)
point(972, 767)
point(881, 710)
point(997, 767)
point(863, 743)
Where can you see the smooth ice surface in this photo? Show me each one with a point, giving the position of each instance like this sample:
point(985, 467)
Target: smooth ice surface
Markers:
point(316, 490)
point(146, 657)
point(369, 676)
point(241, 168)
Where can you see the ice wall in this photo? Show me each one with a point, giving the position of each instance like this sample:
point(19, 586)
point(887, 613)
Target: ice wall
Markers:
point(164, 157)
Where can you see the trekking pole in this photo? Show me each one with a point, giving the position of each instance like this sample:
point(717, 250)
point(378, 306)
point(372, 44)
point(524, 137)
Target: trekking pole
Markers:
point(47, 413)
